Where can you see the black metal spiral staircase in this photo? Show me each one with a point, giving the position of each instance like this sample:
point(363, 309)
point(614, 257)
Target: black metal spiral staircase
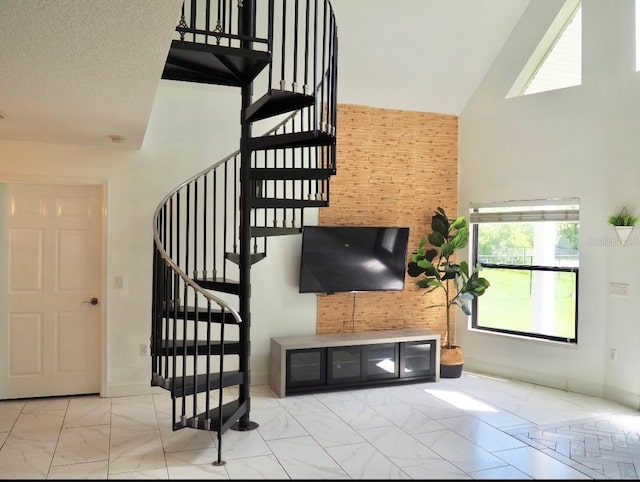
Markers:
point(213, 227)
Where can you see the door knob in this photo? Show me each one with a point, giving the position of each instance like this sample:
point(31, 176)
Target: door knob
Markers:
point(92, 301)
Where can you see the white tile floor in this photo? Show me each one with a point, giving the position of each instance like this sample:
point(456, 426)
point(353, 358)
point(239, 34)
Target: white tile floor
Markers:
point(473, 427)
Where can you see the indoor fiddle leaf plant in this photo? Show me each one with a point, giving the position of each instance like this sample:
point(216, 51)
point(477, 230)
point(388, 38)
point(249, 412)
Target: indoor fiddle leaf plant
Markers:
point(438, 271)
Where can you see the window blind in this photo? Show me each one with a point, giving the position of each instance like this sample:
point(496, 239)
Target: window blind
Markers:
point(558, 210)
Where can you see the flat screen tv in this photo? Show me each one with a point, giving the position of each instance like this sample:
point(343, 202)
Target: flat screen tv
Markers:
point(338, 259)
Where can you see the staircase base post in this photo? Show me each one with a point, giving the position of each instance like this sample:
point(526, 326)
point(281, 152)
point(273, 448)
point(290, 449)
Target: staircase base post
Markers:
point(238, 427)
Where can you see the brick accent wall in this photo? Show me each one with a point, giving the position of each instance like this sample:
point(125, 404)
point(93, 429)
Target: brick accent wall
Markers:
point(394, 168)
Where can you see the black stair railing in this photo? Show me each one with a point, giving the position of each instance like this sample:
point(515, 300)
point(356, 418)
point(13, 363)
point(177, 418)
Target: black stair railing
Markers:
point(198, 336)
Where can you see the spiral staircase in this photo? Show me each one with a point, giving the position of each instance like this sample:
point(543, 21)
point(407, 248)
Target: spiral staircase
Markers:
point(211, 229)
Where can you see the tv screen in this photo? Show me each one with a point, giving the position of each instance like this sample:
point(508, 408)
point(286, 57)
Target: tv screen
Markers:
point(353, 258)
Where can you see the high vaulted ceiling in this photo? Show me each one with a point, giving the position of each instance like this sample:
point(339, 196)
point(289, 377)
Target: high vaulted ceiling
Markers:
point(81, 71)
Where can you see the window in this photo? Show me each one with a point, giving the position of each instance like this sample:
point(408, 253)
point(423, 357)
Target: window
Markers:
point(528, 251)
point(557, 61)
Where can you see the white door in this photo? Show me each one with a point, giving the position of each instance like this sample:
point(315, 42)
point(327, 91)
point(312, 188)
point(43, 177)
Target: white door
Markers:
point(50, 257)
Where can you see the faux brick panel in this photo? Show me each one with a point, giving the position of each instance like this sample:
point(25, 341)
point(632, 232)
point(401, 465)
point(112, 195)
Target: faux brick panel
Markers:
point(394, 168)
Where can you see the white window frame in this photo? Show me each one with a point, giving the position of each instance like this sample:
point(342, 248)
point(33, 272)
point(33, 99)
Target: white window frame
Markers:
point(544, 48)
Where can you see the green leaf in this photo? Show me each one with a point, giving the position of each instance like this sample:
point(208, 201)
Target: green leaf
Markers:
point(427, 266)
point(446, 250)
point(423, 283)
point(431, 254)
point(464, 267)
point(414, 270)
point(459, 223)
point(460, 239)
point(440, 224)
point(436, 239)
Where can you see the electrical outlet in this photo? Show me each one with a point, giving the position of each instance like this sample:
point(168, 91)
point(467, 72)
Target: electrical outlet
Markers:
point(144, 349)
point(119, 282)
point(613, 354)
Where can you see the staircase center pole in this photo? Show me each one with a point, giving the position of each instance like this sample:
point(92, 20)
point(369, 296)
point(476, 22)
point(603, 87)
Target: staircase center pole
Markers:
point(247, 28)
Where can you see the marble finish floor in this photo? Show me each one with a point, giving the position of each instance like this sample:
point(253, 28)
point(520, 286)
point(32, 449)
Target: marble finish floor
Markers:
point(473, 427)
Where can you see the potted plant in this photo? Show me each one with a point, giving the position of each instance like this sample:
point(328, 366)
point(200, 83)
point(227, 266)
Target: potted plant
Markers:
point(437, 270)
point(623, 223)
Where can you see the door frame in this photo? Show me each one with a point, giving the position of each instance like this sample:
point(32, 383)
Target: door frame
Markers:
point(103, 185)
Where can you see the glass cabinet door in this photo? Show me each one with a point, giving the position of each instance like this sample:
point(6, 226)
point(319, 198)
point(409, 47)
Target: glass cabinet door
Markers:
point(344, 364)
point(417, 358)
point(381, 361)
point(306, 367)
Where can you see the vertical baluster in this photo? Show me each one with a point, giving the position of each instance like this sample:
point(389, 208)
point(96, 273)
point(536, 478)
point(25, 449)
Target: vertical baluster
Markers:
point(207, 20)
point(185, 329)
point(323, 68)
point(187, 233)
point(235, 202)
point(284, 38)
point(174, 336)
point(223, 18)
point(214, 228)
point(205, 206)
point(295, 47)
point(207, 402)
point(195, 357)
point(224, 221)
point(230, 29)
point(315, 65)
point(270, 43)
point(196, 210)
point(193, 18)
point(220, 384)
point(306, 50)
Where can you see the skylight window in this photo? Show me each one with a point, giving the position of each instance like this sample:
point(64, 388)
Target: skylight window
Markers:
point(557, 61)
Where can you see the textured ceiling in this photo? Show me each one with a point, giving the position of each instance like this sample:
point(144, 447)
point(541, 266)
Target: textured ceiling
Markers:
point(80, 71)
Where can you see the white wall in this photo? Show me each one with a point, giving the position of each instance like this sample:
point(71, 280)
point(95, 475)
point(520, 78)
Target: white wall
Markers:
point(189, 130)
point(576, 142)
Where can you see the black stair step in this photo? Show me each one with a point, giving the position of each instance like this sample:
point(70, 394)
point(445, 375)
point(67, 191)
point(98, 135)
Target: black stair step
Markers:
point(262, 231)
point(213, 64)
point(284, 173)
point(295, 139)
point(181, 347)
point(230, 411)
point(261, 202)
point(219, 284)
point(277, 102)
point(192, 385)
point(202, 314)
point(235, 257)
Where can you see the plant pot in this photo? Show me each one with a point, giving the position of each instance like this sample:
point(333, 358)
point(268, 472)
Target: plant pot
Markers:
point(451, 371)
point(623, 233)
point(451, 362)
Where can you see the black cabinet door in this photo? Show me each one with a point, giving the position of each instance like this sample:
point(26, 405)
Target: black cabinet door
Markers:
point(380, 361)
point(344, 364)
point(306, 367)
point(417, 358)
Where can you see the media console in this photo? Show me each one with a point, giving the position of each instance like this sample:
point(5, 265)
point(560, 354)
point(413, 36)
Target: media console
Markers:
point(304, 364)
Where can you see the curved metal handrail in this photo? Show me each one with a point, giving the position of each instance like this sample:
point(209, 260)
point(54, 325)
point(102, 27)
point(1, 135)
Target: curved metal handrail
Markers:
point(156, 235)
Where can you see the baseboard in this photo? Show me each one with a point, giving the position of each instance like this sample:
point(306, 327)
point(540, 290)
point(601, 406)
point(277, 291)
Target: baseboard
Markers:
point(537, 378)
point(622, 397)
